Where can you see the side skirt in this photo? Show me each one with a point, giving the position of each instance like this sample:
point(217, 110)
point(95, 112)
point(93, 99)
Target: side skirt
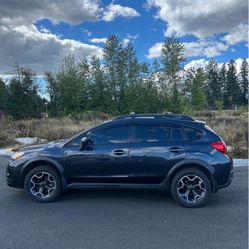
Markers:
point(114, 186)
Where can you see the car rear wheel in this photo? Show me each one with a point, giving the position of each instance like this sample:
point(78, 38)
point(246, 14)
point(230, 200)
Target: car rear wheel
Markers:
point(191, 188)
point(43, 184)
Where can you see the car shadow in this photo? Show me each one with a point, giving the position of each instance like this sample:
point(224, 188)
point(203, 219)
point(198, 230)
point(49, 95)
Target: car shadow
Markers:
point(116, 194)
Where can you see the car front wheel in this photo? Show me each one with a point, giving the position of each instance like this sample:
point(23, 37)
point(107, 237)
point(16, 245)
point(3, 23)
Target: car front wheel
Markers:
point(191, 188)
point(43, 184)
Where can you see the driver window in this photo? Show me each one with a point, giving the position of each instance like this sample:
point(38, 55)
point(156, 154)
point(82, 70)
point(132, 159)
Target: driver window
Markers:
point(110, 135)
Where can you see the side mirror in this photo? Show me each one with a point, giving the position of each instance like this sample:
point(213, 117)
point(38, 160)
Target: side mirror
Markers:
point(83, 143)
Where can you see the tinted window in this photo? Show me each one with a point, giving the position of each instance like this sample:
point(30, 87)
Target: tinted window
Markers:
point(77, 141)
point(176, 134)
point(152, 134)
point(110, 136)
point(193, 134)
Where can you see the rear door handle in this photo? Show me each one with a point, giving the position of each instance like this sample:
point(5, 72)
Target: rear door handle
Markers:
point(120, 152)
point(175, 149)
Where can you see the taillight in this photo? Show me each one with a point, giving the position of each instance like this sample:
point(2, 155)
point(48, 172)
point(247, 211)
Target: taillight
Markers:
point(220, 146)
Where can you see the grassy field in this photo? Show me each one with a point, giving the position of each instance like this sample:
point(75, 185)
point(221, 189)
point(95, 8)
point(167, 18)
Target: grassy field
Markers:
point(231, 125)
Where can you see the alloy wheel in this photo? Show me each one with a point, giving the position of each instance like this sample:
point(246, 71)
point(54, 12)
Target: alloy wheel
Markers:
point(42, 184)
point(191, 188)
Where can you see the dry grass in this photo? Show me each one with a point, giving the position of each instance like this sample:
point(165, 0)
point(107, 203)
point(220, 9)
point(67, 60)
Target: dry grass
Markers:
point(231, 125)
point(48, 129)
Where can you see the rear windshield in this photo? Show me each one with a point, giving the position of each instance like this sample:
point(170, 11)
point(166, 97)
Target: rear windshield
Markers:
point(193, 134)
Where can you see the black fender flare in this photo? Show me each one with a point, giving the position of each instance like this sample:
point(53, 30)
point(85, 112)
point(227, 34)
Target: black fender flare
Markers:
point(51, 161)
point(182, 164)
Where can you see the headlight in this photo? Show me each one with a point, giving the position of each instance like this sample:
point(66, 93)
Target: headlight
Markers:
point(17, 155)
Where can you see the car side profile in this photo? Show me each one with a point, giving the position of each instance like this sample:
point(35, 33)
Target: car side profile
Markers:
point(171, 152)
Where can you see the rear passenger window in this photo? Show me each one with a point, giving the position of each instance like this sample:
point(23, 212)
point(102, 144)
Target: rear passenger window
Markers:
point(152, 134)
point(193, 134)
point(177, 135)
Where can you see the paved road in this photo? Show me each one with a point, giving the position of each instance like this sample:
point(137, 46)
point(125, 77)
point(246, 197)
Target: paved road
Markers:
point(118, 219)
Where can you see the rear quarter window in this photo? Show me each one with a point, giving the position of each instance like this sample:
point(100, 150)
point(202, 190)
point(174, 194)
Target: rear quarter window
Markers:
point(193, 134)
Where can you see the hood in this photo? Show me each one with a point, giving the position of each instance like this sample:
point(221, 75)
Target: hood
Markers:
point(39, 147)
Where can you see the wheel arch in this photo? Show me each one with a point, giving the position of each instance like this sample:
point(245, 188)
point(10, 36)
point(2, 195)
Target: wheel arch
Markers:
point(44, 161)
point(206, 168)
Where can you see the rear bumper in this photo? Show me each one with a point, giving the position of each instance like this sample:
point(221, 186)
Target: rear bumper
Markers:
point(222, 172)
point(229, 181)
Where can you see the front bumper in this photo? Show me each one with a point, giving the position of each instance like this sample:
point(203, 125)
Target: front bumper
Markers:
point(13, 175)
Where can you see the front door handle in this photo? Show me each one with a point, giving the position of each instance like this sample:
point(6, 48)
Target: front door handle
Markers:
point(120, 152)
point(175, 149)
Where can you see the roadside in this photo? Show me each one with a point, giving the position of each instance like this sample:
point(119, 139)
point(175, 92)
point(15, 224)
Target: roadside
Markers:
point(232, 125)
point(124, 219)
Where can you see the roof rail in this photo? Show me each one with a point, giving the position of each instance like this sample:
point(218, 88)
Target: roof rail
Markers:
point(156, 116)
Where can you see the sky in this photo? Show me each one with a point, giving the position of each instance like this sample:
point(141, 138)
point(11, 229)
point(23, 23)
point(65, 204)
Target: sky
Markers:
point(40, 33)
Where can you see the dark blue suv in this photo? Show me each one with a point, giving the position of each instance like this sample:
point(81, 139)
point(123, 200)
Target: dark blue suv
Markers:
point(172, 152)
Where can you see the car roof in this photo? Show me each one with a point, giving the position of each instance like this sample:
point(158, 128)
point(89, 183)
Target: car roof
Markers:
point(156, 119)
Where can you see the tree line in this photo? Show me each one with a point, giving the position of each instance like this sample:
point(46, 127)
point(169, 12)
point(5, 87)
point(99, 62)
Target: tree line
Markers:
point(118, 83)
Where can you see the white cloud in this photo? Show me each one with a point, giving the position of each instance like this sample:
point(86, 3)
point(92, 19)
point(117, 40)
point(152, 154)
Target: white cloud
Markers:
point(27, 11)
point(115, 10)
point(98, 40)
point(239, 63)
point(237, 35)
point(205, 47)
point(41, 51)
point(155, 50)
point(202, 63)
point(196, 64)
point(201, 18)
point(126, 41)
point(23, 43)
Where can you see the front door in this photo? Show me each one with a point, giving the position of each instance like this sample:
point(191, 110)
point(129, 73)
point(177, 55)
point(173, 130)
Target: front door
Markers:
point(104, 160)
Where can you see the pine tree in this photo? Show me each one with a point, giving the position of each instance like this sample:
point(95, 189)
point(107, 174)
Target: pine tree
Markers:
point(172, 59)
point(72, 89)
point(198, 97)
point(223, 80)
point(98, 89)
point(244, 81)
point(53, 92)
point(3, 94)
point(23, 94)
point(114, 61)
point(233, 94)
point(213, 86)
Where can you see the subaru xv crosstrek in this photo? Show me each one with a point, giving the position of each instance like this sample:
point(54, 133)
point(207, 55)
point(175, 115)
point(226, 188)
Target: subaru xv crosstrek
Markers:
point(171, 152)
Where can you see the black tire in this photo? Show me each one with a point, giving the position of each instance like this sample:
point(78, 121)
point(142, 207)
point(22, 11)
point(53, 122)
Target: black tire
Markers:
point(45, 179)
point(185, 191)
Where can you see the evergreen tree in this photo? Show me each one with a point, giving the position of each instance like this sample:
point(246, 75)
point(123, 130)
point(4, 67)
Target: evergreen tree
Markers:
point(222, 81)
point(213, 86)
point(233, 94)
point(198, 97)
point(53, 91)
point(23, 95)
point(244, 81)
point(172, 59)
point(114, 59)
point(72, 87)
point(98, 90)
point(3, 94)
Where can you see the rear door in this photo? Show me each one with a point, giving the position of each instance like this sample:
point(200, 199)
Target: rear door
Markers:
point(155, 149)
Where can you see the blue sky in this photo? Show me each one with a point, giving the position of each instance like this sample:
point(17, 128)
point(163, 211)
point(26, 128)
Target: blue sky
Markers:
point(38, 35)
